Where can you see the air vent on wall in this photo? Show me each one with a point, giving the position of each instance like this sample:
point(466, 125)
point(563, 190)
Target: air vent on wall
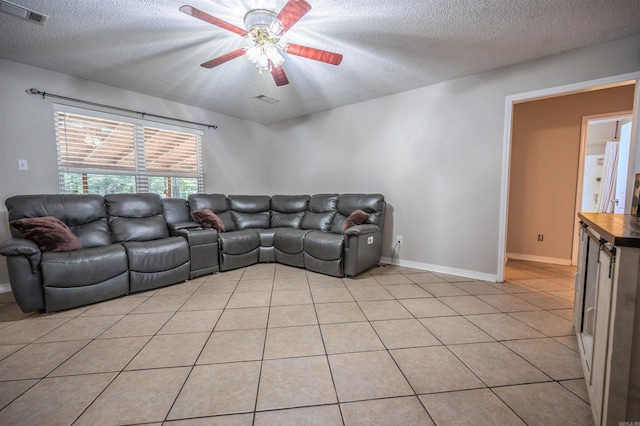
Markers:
point(267, 99)
point(22, 12)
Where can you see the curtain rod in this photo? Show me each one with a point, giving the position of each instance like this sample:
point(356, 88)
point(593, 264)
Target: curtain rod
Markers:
point(33, 91)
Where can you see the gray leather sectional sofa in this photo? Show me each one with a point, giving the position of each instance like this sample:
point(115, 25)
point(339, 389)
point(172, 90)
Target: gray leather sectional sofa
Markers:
point(137, 242)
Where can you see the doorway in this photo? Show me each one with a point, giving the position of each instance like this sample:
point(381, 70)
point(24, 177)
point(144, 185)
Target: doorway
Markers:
point(605, 146)
point(605, 173)
point(512, 100)
point(545, 163)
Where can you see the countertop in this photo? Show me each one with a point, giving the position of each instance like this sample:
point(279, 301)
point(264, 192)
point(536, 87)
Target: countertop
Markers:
point(622, 230)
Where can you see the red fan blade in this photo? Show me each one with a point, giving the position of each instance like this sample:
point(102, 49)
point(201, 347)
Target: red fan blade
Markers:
point(292, 12)
point(196, 13)
point(222, 59)
point(315, 54)
point(279, 76)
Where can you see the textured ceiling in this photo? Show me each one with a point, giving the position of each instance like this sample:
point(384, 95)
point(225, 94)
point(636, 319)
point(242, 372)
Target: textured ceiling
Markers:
point(148, 46)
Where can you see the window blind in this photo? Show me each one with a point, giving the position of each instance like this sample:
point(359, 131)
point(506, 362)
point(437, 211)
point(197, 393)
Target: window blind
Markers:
point(99, 154)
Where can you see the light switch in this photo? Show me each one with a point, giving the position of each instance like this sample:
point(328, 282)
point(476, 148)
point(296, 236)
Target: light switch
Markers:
point(23, 165)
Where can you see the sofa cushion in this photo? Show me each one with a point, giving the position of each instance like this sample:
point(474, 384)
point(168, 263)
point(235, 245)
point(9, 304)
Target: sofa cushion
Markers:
point(175, 210)
point(324, 245)
point(322, 209)
point(83, 267)
point(358, 217)
point(85, 215)
point(251, 220)
point(136, 217)
point(48, 232)
point(208, 219)
point(217, 203)
point(138, 229)
point(266, 237)
point(239, 242)
point(158, 255)
point(317, 221)
point(323, 202)
point(290, 203)
point(289, 240)
point(134, 205)
point(250, 211)
point(373, 204)
point(286, 220)
point(288, 210)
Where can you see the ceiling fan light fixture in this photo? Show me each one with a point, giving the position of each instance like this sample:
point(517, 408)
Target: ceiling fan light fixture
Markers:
point(273, 54)
point(253, 53)
point(263, 63)
point(264, 29)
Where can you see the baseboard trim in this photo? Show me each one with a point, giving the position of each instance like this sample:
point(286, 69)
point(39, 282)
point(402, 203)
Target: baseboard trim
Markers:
point(441, 269)
point(542, 259)
point(5, 288)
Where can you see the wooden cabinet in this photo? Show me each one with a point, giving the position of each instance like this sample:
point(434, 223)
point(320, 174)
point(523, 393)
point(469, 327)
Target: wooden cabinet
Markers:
point(607, 315)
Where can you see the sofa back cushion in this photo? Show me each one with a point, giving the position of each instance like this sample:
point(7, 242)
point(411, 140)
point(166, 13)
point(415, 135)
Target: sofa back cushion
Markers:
point(85, 215)
point(373, 204)
point(250, 211)
point(322, 209)
point(217, 203)
point(175, 210)
point(287, 211)
point(136, 217)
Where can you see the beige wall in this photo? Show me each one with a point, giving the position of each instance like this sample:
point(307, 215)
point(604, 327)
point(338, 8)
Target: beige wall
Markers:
point(544, 169)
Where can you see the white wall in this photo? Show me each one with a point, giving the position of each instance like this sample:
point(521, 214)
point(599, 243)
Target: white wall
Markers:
point(591, 186)
point(435, 152)
point(234, 153)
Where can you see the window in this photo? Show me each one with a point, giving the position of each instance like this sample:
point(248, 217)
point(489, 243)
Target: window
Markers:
point(102, 153)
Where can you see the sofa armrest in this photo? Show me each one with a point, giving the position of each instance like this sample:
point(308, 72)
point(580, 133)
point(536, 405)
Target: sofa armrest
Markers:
point(22, 247)
point(18, 246)
point(197, 236)
point(364, 229)
point(362, 249)
point(184, 226)
point(185, 229)
point(23, 265)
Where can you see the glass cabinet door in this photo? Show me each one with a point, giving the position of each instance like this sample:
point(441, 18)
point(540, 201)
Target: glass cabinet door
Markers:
point(589, 305)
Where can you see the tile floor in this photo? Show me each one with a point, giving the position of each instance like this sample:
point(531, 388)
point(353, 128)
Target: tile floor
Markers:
point(275, 345)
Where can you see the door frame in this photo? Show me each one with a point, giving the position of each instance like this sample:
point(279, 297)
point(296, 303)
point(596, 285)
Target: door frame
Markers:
point(581, 161)
point(511, 100)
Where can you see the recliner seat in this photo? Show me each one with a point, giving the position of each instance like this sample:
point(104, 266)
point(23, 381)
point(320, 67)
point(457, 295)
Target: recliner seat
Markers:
point(54, 281)
point(155, 258)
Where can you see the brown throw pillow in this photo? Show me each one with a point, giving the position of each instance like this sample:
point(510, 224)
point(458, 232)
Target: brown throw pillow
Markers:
point(358, 217)
point(48, 232)
point(208, 219)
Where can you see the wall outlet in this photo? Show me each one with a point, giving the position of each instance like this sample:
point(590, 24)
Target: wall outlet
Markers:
point(540, 237)
point(399, 239)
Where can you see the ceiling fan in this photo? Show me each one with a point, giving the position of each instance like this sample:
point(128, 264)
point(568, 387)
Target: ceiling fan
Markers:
point(264, 28)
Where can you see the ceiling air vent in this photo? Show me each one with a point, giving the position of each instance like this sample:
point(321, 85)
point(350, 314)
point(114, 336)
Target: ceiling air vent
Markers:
point(22, 12)
point(267, 99)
